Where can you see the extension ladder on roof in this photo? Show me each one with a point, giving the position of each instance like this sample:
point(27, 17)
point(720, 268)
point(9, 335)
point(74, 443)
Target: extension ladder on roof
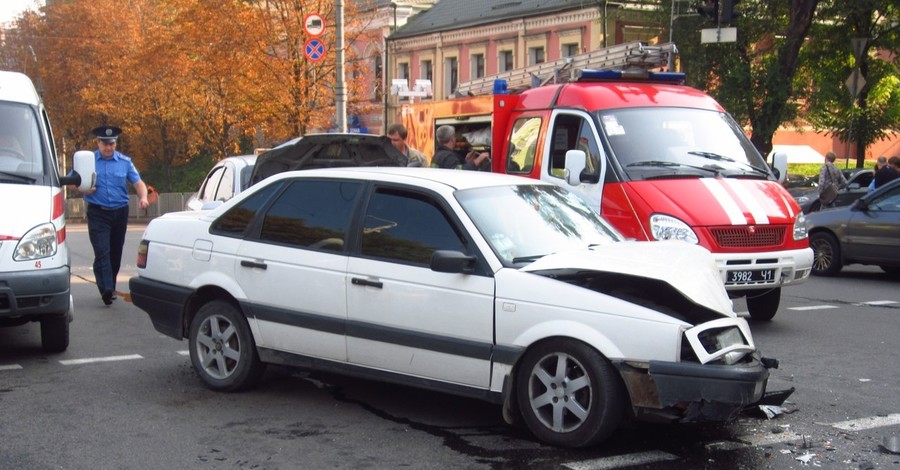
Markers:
point(628, 55)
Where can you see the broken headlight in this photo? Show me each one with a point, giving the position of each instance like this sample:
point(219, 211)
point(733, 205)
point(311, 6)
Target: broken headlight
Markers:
point(727, 340)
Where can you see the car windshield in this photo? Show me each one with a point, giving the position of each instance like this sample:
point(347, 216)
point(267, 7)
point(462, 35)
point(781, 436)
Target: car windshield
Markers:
point(21, 152)
point(654, 143)
point(525, 222)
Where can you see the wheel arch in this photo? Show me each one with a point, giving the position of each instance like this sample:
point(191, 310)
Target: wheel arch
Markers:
point(201, 297)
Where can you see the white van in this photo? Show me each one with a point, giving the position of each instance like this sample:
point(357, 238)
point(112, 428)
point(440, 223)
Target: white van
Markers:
point(34, 256)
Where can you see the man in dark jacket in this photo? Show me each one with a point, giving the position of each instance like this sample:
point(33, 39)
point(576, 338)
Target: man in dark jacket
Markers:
point(888, 172)
point(446, 156)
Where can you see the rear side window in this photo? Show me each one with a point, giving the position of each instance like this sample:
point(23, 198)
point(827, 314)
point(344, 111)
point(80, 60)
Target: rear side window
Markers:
point(407, 227)
point(311, 214)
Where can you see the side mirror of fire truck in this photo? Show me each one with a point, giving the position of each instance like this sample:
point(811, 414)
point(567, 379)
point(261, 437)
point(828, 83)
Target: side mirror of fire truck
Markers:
point(779, 166)
point(575, 163)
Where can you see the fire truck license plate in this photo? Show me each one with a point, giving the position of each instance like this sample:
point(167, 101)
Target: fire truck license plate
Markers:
point(750, 276)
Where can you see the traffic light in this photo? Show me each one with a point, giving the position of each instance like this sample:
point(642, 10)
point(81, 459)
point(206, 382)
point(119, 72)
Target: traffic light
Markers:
point(728, 14)
point(709, 8)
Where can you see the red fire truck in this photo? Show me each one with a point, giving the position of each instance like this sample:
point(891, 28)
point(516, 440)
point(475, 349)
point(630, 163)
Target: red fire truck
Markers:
point(659, 160)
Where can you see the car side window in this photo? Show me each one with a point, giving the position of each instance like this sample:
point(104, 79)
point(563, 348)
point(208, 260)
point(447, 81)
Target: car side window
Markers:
point(311, 214)
point(889, 202)
point(407, 227)
point(237, 220)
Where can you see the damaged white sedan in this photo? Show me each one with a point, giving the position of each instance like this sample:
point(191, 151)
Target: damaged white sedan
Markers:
point(489, 286)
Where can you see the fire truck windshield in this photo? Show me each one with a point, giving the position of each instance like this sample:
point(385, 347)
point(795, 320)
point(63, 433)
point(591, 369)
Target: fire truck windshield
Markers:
point(684, 142)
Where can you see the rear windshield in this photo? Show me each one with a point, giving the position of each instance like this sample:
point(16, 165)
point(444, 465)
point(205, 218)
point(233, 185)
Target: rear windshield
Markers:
point(22, 156)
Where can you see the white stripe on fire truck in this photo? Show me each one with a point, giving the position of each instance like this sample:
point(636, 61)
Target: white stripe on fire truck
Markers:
point(756, 209)
point(726, 202)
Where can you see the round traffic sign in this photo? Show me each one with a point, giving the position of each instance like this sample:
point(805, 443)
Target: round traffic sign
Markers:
point(313, 24)
point(314, 50)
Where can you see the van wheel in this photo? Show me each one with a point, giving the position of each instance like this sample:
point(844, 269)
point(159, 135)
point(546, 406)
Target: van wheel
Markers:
point(764, 306)
point(222, 348)
point(569, 394)
point(55, 333)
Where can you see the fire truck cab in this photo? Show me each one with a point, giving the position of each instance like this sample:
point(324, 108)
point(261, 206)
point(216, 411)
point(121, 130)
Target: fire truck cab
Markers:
point(659, 160)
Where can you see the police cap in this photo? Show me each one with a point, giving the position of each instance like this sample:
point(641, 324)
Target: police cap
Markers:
point(107, 133)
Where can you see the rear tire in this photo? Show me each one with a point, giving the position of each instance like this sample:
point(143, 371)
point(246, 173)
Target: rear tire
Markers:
point(222, 348)
point(826, 254)
point(55, 333)
point(569, 394)
point(764, 306)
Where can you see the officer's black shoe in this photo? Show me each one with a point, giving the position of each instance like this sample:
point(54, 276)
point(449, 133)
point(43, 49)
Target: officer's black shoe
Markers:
point(107, 297)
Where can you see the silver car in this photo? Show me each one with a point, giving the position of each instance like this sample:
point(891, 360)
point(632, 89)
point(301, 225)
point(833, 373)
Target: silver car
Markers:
point(226, 179)
point(865, 232)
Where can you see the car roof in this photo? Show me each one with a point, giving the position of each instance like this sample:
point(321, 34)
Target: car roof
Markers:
point(455, 179)
point(247, 160)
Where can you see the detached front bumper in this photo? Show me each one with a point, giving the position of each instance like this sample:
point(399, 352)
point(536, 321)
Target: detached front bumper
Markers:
point(691, 392)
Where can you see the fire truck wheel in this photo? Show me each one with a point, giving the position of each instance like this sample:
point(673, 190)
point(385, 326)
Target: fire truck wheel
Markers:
point(764, 306)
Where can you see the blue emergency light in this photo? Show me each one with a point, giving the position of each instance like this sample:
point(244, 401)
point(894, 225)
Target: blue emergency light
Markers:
point(586, 75)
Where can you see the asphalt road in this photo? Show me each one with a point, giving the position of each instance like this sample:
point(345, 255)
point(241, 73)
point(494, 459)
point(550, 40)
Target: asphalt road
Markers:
point(125, 396)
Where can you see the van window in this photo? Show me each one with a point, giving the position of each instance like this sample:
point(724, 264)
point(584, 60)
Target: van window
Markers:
point(21, 149)
point(573, 132)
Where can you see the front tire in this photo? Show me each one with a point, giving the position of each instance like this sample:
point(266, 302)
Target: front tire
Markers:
point(222, 348)
point(569, 394)
point(764, 306)
point(55, 333)
point(826, 254)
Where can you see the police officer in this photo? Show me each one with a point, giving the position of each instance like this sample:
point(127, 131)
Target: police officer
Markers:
point(107, 208)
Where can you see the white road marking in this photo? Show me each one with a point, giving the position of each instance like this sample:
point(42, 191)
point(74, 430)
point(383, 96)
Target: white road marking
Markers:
point(878, 302)
point(619, 461)
point(814, 307)
point(862, 424)
point(183, 353)
point(10, 367)
point(89, 360)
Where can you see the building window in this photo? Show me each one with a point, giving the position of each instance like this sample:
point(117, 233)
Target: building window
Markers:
point(426, 70)
point(535, 55)
point(569, 50)
point(477, 66)
point(403, 70)
point(451, 75)
point(505, 61)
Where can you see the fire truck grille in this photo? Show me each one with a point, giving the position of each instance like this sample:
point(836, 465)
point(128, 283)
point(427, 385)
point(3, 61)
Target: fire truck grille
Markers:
point(736, 237)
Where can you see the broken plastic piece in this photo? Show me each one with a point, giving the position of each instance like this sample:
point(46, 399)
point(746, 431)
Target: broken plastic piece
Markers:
point(771, 411)
point(776, 397)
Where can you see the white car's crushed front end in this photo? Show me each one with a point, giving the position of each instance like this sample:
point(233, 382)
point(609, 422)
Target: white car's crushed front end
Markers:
point(669, 328)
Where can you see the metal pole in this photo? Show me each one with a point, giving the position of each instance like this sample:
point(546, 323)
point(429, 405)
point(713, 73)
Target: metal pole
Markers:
point(671, 63)
point(340, 91)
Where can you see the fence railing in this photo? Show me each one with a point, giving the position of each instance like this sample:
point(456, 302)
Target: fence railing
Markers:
point(168, 202)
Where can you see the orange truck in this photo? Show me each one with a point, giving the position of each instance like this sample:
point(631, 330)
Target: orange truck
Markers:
point(657, 159)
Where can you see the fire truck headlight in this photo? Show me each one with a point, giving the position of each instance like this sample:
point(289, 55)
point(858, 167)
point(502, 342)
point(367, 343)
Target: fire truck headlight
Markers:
point(666, 227)
point(800, 227)
point(39, 242)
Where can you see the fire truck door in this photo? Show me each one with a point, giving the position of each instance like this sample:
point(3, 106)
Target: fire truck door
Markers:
point(574, 130)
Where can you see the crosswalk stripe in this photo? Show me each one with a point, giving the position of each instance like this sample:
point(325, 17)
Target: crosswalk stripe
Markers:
point(10, 367)
point(813, 307)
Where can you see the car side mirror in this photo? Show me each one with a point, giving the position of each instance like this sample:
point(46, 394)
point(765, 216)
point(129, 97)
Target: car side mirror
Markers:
point(859, 205)
point(779, 166)
point(450, 261)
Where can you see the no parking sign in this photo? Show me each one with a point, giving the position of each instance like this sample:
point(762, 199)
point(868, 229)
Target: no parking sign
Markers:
point(314, 49)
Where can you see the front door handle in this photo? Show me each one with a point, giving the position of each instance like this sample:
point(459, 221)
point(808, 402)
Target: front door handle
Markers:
point(365, 282)
point(253, 264)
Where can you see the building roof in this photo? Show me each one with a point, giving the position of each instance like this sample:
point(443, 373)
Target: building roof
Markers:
point(450, 15)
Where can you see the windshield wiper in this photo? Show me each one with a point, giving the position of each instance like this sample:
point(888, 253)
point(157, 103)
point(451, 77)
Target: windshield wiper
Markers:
point(660, 163)
point(723, 158)
point(526, 259)
point(29, 179)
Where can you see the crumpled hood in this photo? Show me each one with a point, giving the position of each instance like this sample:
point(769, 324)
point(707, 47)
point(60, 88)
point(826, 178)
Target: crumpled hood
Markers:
point(718, 201)
point(689, 268)
point(24, 207)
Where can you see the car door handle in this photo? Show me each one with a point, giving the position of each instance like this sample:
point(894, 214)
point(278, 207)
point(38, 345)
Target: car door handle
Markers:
point(253, 264)
point(365, 282)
